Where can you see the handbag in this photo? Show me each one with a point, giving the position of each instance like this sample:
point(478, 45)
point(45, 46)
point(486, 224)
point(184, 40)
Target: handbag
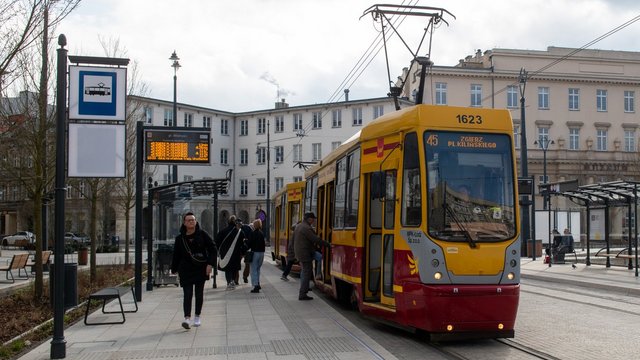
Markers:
point(197, 259)
point(224, 261)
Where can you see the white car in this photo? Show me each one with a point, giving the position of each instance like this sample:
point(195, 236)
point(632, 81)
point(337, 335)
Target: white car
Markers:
point(18, 237)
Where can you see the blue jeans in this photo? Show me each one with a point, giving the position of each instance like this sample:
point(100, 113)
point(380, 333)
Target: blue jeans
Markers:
point(256, 264)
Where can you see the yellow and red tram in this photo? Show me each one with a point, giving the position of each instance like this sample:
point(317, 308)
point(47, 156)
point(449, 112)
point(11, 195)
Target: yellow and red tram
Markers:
point(421, 211)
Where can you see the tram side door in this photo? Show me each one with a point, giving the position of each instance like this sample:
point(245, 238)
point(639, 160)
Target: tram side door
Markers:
point(379, 239)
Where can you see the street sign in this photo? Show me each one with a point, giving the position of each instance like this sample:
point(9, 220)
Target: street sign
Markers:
point(525, 186)
point(97, 93)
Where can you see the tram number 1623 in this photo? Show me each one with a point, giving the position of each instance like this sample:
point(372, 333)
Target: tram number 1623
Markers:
point(469, 119)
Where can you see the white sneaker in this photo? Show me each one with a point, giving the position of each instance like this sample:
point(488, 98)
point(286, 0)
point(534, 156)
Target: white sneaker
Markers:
point(196, 321)
point(185, 323)
point(284, 278)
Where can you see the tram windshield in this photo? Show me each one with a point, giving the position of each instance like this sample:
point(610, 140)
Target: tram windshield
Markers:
point(470, 186)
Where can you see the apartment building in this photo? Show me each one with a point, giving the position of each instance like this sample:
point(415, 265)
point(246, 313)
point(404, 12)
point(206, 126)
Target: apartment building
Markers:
point(579, 103)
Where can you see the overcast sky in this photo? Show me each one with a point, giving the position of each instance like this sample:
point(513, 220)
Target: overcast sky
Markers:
point(237, 54)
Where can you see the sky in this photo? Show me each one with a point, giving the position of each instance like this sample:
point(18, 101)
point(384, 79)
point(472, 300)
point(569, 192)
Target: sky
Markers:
point(244, 55)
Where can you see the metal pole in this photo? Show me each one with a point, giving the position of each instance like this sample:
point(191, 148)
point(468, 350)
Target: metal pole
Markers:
point(138, 233)
point(533, 225)
point(58, 343)
point(267, 218)
point(174, 170)
point(150, 236)
point(525, 227)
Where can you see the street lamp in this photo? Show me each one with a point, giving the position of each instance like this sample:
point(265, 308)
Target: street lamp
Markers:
point(543, 142)
point(175, 65)
point(525, 228)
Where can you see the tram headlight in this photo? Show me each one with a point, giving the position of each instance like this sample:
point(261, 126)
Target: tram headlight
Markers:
point(437, 276)
point(511, 276)
point(513, 263)
point(500, 326)
point(449, 327)
point(435, 263)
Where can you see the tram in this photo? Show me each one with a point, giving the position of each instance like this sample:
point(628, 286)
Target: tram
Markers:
point(287, 203)
point(422, 215)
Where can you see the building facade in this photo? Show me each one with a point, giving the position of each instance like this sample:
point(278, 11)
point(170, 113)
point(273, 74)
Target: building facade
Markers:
point(580, 111)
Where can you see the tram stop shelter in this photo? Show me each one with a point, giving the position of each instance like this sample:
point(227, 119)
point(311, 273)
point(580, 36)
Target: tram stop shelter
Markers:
point(604, 196)
point(168, 195)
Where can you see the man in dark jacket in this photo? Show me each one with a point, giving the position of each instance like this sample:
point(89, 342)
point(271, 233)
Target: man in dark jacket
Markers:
point(229, 242)
point(194, 256)
point(305, 243)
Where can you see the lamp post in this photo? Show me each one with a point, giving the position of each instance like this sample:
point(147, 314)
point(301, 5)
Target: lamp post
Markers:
point(525, 228)
point(175, 65)
point(543, 142)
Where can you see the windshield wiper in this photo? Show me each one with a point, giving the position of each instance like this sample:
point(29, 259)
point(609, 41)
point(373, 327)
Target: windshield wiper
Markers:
point(466, 233)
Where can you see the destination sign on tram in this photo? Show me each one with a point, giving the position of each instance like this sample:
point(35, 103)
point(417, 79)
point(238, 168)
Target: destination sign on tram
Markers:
point(177, 146)
point(477, 141)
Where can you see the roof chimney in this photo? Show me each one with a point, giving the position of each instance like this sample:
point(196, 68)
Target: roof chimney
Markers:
point(282, 105)
point(346, 94)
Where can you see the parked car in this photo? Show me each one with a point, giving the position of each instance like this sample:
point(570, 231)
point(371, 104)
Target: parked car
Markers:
point(19, 237)
point(76, 239)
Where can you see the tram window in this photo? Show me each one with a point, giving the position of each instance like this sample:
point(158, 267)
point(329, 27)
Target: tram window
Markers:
point(390, 199)
point(387, 274)
point(411, 184)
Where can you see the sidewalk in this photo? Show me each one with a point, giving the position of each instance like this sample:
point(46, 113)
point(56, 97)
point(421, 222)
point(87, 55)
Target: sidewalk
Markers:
point(237, 324)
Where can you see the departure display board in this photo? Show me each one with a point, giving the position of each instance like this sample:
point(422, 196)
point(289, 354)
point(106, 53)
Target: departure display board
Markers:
point(177, 146)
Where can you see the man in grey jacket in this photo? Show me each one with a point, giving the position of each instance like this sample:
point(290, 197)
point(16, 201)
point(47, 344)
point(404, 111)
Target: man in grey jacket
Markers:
point(305, 243)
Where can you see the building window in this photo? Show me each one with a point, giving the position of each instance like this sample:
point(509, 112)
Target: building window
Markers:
point(317, 151)
point(516, 136)
point(244, 157)
point(543, 97)
point(297, 122)
point(542, 179)
point(279, 154)
point(279, 183)
point(630, 140)
point(224, 127)
point(262, 126)
point(244, 187)
point(574, 139)
point(543, 137)
point(335, 145)
point(148, 115)
point(279, 123)
point(441, 93)
point(206, 122)
point(188, 120)
point(336, 118)
point(574, 99)
point(512, 96)
point(476, 95)
point(297, 178)
point(244, 127)
point(261, 187)
point(629, 102)
point(601, 100)
point(317, 120)
point(168, 117)
point(357, 116)
point(378, 111)
point(601, 140)
point(224, 157)
point(297, 152)
point(262, 155)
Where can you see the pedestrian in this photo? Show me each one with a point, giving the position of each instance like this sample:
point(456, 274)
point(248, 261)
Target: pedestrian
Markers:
point(229, 242)
point(291, 255)
point(194, 256)
point(247, 230)
point(256, 245)
point(305, 242)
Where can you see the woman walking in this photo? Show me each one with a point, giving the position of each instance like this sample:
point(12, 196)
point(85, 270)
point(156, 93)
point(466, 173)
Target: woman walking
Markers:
point(256, 244)
point(194, 257)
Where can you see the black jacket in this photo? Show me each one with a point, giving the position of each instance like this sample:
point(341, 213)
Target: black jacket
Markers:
point(182, 263)
point(255, 242)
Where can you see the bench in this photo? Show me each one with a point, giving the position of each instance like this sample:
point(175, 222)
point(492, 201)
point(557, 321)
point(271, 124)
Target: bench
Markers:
point(107, 294)
point(562, 245)
point(618, 254)
point(18, 262)
point(46, 261)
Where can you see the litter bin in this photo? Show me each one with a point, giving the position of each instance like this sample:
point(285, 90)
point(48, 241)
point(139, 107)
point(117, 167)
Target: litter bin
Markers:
point(162, 257)
point(115, 241)
point(70, 291)
point(538, 248)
